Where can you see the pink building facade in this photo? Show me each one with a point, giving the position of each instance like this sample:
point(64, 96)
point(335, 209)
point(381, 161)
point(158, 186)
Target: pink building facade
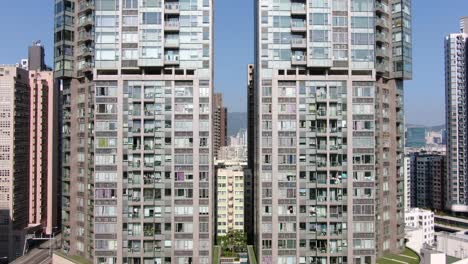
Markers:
point(43, 187)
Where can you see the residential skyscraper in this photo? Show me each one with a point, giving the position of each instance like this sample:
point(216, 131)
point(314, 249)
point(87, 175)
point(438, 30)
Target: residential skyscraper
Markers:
point(14, 160)
point(456, 118)
point(137, 93)
point(220, 123)
point(329, 129)
point(44, 193)
point(28, 164)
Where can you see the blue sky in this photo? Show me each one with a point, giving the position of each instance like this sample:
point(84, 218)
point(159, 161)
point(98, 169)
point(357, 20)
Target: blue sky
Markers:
point(24, 22)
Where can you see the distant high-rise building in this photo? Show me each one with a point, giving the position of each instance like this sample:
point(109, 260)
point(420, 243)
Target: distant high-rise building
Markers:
point(456, 118)
point(220, 119)
point(428, 177)
point(36, 54)
point(415, 137)
point(137, 150)
point(28, 167)
point(407, 182)
point(250, 180)
point(329, 129)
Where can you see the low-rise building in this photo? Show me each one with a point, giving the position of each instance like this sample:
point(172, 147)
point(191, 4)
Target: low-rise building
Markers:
point(417, 218)
point(452, 244)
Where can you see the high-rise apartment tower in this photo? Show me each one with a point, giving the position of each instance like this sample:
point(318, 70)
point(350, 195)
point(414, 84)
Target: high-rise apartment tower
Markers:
point(136, 80)
point(456, 119)
point(329, 129)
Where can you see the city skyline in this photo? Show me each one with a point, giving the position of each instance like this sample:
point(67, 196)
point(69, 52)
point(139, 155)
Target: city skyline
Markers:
point(229, 71)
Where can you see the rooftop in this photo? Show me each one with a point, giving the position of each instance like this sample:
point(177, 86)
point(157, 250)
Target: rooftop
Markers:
point(408, 256)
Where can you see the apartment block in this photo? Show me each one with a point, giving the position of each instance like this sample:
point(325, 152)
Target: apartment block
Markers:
point(44, 193)
point(28, 166)
point(220, 124)
point(421, 219)
point(407, 181)
point(455, 94)
point(137, 148)
point(230, 196)
point(14, 160)
point(428, 179)
point(328, 129)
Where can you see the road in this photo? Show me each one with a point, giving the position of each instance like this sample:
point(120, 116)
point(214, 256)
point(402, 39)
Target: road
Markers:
point(39, 255)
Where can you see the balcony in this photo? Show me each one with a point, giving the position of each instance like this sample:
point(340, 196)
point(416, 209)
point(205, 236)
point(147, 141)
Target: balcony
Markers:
point(86, 67)
point(86, 6)
point(381, 53)
point(382, 8)
point(298, 9)
point(86, 21)
point(84, 36)
point(381, 37)
point(172, 25)
point(298, 60)
point(171, 59)
point(298, 43)
point(86, 52)
point(172, 8)
point(381, 22)
point(171, 43)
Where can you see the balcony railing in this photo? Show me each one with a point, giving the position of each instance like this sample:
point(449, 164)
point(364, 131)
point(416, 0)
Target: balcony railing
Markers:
point(298, 42)
point(172, 7)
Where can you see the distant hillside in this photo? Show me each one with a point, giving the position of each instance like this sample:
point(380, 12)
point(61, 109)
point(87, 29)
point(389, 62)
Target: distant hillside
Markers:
point(236, 121)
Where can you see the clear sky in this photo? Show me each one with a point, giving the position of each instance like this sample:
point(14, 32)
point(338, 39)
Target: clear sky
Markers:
point(25, 21)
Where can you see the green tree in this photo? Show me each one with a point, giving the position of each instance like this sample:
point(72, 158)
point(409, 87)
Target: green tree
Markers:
point(232, 243)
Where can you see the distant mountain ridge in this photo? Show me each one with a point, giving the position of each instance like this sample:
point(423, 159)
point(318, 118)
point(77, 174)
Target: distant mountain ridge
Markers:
point(236, 122)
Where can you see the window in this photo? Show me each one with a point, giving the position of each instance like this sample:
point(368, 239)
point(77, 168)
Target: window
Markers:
point(130, 21)
point(106, 21)
point(130, 37)
point(129, 54)
point(282, 21)
point(151, 52)
point(319, 35)
point(319, 19)
point(362, 39)
point(362, 22)
point(151, 3)
point(106, 5)
point(152, 18)
point(362, 55)
point(106, 37)
point(130, 4)
point(106, 55)
point(151, 34)
point(319, 53)
point(362, 5)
